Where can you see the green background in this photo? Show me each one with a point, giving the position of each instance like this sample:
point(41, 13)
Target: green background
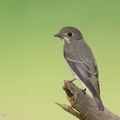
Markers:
point(32, 67)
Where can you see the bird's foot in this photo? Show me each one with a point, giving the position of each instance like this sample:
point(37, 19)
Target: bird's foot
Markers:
point(72, 80)
point(84, 91)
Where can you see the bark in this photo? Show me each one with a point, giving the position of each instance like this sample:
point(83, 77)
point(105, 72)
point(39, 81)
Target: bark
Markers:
point(83, 106)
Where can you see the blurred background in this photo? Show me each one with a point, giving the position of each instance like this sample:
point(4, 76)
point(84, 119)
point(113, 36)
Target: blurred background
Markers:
point(32, 67)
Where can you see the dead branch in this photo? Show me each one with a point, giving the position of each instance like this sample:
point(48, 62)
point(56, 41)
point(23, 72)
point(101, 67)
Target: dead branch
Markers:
point(82, 105)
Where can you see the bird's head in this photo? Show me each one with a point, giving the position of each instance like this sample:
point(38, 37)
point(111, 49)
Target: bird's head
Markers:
point(69, 35)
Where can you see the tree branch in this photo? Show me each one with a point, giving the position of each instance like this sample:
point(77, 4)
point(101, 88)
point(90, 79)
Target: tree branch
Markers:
point(83, 106)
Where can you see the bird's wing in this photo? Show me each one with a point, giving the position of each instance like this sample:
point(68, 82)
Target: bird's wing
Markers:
point(96, 74)
point(82, 70)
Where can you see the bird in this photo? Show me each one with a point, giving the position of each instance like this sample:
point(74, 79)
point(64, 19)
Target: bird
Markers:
point(81, 61)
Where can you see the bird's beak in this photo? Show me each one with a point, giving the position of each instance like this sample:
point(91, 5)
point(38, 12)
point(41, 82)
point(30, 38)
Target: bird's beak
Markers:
point(57, 35)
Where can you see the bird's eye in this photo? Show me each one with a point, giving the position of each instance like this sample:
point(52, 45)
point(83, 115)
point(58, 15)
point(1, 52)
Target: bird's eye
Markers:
point(70, 34)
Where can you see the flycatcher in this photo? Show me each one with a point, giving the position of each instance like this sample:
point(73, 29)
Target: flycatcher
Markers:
point(81, 61)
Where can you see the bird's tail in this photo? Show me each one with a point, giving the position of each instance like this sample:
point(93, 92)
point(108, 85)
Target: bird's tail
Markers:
point(99, 103)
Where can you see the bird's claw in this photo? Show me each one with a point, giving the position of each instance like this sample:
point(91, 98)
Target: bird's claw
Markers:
point(84, 91)
point(72, 80)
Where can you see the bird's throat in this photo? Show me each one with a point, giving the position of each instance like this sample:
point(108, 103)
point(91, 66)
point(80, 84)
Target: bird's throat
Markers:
point(66, 40)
